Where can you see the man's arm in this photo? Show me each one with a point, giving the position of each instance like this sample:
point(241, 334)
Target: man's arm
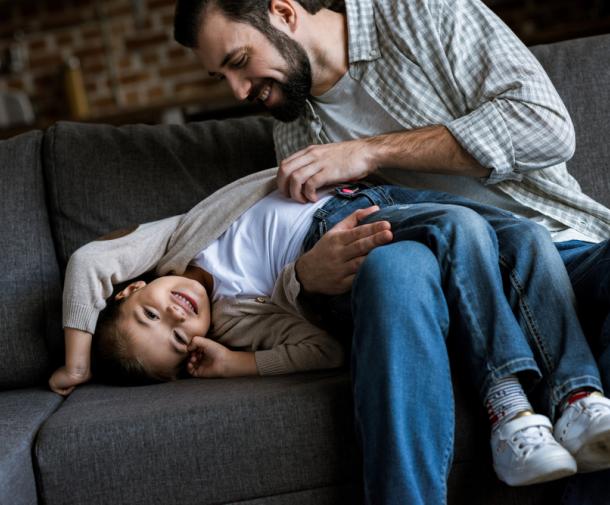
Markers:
point(507, 118)
point(429, 149)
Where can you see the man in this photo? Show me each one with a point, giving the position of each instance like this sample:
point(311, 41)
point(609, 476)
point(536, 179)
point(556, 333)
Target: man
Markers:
point(428, 93)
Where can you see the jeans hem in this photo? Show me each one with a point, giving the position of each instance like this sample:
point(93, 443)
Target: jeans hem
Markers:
point(511, 367)
point(561, 391)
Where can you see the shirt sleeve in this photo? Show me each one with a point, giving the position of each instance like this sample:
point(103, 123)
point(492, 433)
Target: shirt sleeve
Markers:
point(514, 120)
point(96, 267)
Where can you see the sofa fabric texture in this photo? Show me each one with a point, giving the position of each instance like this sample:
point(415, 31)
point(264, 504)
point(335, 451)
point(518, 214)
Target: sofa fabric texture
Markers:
point(30, 325)
point(253, 441)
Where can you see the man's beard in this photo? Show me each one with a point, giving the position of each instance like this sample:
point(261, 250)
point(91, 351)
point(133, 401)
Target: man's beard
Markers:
point(296, 89)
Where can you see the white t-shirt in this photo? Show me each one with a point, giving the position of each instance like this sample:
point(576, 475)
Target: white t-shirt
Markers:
point(247, 259)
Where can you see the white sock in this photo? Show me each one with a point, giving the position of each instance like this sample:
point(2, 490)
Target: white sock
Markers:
point(505, 400)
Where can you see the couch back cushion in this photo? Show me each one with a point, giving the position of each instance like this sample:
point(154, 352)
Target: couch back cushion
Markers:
point(580, 70)
point(102, 178)
point(29, 276)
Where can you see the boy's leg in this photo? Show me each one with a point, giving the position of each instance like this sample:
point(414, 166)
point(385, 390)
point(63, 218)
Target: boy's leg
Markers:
point(540, 292)
point(466, 250)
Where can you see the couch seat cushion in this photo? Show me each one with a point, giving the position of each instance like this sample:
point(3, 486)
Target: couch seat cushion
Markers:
point(22, 411)
point(198, 441)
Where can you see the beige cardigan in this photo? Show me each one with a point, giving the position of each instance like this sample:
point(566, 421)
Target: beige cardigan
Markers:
point(273, 327)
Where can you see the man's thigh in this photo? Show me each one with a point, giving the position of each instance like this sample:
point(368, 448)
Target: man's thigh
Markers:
point(588, 266)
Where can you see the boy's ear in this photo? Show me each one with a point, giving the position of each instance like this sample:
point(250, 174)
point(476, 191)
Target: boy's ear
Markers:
point(129, 290)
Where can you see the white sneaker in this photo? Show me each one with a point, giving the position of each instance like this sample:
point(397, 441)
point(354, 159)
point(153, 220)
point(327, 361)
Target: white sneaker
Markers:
point(525, 452)
point(584, 430)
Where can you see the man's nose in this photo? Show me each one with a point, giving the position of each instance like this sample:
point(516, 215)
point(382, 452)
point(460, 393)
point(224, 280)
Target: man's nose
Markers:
point(176, 312)
point(240, 87)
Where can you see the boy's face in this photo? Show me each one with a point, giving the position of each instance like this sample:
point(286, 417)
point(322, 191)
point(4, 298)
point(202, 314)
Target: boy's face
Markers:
point(161, 318)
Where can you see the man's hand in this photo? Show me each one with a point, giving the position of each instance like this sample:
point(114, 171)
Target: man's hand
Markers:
point(330, 266)
point(210, 359)
point(63, 381)
point(305, 171)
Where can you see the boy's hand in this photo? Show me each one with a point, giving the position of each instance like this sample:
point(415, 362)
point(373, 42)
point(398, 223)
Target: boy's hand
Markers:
point(208, 358)
point(63, 381)
point(211, 359)
point(330, 266)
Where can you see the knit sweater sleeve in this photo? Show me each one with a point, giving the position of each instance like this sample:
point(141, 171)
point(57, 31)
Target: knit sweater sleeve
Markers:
point(94, 268)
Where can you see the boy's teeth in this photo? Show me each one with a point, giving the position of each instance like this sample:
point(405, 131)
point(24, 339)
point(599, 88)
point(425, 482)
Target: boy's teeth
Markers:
point(187, 302)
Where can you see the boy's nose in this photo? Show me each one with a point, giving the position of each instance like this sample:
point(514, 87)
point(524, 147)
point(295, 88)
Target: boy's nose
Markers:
point(176, 312)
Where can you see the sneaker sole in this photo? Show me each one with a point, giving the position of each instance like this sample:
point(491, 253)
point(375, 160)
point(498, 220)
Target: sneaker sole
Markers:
point(545, 471)
point(595, 454)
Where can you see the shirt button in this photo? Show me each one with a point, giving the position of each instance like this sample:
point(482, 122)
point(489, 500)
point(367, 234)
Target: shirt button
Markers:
point(260, 299)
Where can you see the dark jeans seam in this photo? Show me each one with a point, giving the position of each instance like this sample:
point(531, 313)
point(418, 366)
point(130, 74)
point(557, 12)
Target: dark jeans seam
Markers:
point(528, 315)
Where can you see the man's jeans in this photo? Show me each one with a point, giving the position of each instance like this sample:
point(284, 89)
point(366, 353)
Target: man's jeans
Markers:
point(449, 261)
point(588, 266)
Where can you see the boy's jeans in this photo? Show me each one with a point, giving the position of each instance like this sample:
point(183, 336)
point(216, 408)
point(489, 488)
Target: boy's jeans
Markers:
point(442, 266)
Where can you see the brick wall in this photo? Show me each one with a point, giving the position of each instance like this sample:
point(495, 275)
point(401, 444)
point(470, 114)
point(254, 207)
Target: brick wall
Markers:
point(129, 58)
point(126, 60)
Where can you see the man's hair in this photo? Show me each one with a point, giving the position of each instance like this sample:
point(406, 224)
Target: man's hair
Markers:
point(188, 15)
point(111, 359)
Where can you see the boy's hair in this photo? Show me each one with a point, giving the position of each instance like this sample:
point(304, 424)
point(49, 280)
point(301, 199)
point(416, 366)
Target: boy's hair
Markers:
point(111, 360)
point(188, 15)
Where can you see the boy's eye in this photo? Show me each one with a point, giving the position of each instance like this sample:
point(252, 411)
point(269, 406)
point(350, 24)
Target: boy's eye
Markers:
point(150, 314)
point(179, 338)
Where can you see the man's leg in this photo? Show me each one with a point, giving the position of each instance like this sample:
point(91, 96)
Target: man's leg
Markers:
point(588, 266)
point(403, 396)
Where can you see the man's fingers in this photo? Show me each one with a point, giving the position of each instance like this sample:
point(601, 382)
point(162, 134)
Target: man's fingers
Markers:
point(287, 168)
point(297, 180)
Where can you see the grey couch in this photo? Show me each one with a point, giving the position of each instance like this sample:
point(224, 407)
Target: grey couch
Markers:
point(280, 440)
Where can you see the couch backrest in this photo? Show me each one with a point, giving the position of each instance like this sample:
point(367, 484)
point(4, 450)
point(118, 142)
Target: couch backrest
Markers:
point(580, 70)
point(101, 178)
point(30, 292)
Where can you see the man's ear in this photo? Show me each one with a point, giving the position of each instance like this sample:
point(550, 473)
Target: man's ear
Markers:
point(129, 290)
point(283, 13)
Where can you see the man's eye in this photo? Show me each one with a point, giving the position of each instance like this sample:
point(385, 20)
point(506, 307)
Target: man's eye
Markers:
point(241, 62)
point(150, 314)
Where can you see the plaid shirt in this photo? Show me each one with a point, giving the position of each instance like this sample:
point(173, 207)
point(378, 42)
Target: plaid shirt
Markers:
point(453, 62)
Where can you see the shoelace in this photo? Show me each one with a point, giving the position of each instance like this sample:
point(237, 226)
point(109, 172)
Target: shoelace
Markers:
point(532, 437)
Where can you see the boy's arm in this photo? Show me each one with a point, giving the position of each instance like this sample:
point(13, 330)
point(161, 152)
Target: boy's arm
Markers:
point(90, 276)
point(77, 369)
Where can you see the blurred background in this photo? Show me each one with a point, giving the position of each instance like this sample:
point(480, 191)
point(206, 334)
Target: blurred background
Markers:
point(115, 61)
